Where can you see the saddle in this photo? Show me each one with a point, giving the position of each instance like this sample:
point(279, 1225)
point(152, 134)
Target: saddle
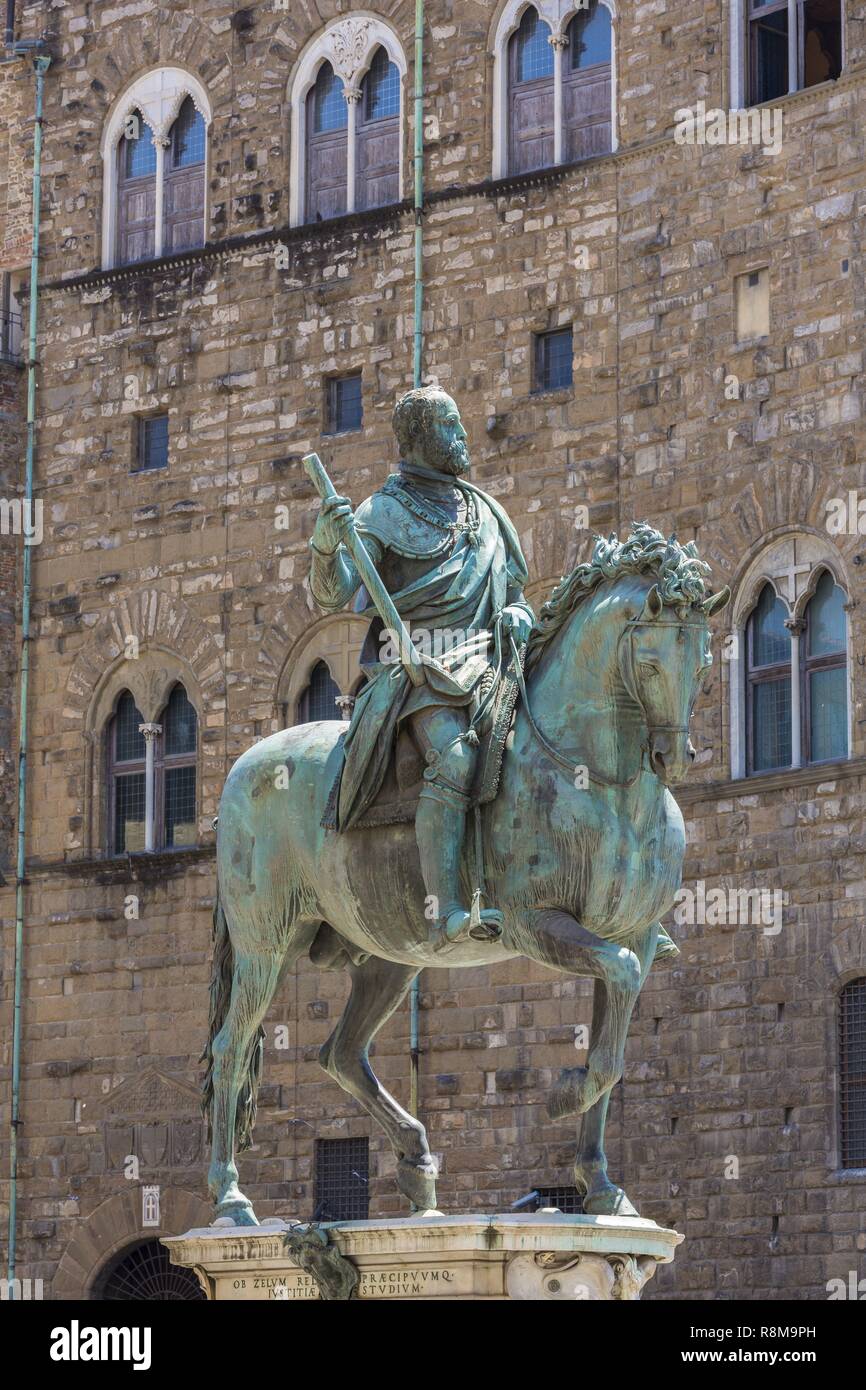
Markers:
point(397, 799)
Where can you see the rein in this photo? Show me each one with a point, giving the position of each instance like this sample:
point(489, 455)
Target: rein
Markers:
point(627, 673)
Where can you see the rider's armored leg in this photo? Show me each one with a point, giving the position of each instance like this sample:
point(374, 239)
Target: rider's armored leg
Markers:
point(441, 819)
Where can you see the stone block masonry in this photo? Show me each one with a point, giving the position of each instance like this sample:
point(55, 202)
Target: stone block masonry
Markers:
point(206, 563)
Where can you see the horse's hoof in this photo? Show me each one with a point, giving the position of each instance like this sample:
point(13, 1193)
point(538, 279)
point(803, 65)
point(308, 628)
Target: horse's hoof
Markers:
point(417, 1181)
point(236, 1213)
point(567, 1097)
point(607, 1200)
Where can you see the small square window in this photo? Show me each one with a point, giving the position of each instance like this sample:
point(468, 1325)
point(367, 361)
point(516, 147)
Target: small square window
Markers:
point(344, 404)
point(752, 304)
point(553, 360)
point(152, 450)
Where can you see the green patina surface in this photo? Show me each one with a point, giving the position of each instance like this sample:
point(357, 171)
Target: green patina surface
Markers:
point(583, 845)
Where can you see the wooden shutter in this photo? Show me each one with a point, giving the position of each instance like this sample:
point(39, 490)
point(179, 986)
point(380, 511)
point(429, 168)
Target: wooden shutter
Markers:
point(327, 169)
point(377, 160)
point(530, 117)
point(586, 89)
point(136, 211)
point(183, 189)
point(183, 208)
point(586, 113)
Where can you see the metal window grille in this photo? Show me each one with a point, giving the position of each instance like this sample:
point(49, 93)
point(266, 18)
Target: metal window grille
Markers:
point(342, 1179)
point(566, 1199)
point(187, 137)
point(382, 88)
point(152, 443)
point(553, 360)
point(146, 1274)
point(330, 111)
point(345, 404)
point(852, 1074)
point(534, 53)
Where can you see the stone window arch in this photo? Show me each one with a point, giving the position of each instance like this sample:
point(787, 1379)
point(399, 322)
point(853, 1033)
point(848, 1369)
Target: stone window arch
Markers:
point(789, 658)
point(152, 775)
point(558, 104)
point(781, 46)
point(155, 154)
point(335, 643)
point(346, 97)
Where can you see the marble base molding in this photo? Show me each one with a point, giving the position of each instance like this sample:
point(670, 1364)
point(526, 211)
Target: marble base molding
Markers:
point(546, 1255)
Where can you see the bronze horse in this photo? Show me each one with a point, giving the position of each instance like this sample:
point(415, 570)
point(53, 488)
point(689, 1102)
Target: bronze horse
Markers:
point(584, 847)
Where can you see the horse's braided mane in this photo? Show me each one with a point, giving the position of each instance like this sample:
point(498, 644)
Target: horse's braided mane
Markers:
point(678, 571)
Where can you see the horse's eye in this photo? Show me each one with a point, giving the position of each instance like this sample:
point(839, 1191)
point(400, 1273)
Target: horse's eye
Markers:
point(649, 666)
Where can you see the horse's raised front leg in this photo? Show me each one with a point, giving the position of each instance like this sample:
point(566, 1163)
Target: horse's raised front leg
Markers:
point(601, 1197)
point(556, 939)
point(378, 986)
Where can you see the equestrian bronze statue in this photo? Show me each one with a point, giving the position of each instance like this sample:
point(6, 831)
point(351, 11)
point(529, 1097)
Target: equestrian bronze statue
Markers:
point(501, 790)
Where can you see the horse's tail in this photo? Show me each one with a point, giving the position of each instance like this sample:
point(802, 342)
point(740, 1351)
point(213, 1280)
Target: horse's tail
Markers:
point(222, 976)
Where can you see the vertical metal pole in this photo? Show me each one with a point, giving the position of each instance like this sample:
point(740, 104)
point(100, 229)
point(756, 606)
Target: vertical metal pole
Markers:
point(414, 993)
point(41, 65)
point(419, 186)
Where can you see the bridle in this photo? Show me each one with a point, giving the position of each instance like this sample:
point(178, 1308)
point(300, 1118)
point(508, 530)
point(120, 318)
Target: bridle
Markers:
point(625, 660)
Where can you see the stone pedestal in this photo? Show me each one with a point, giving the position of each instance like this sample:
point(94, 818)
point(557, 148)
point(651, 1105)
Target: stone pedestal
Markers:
point(542, 1256)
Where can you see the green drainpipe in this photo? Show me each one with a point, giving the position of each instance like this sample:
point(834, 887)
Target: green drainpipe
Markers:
point(41, 64)
point(414, 994)
point(418, 162)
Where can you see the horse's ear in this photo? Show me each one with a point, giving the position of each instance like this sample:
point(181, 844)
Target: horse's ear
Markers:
point(716, 602)
point(653, 604)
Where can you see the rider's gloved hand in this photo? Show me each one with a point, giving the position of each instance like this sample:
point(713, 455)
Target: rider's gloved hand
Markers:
point(332, 524)
point(516, 620)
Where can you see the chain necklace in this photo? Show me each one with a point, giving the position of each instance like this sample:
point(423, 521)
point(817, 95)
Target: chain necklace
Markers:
point(429, 511)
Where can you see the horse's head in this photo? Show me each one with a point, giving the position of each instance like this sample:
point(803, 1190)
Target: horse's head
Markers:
point(663, 653)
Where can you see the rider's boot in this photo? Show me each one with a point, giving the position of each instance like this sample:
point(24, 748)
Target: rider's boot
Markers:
point(439, 825)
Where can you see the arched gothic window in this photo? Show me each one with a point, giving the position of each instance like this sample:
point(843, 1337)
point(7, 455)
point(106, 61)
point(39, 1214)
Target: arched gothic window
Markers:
point(154, 150)
point(318, 700)
point(347, 102)
point(152, 776)
point(797, 678)
point(554, 85)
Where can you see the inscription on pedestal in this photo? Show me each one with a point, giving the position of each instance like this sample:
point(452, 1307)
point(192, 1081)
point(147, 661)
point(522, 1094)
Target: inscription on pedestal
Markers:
point(375, 1283)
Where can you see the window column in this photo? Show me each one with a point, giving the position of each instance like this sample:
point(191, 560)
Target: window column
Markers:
point(353, 96)
point(161, 146)
point(795, 627)
point(559, 43)
point(151, 733)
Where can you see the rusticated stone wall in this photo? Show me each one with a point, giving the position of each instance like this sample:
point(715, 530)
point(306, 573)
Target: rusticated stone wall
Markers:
point(732, 1051)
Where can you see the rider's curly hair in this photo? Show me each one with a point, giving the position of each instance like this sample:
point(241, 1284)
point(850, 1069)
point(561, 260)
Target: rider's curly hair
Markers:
point(413, 413)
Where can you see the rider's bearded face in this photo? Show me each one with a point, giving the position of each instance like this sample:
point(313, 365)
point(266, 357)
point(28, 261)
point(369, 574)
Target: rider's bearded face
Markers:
point(445, 441)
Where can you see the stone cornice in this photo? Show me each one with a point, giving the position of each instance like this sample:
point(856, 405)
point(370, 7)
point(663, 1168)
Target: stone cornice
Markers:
point(689, 794)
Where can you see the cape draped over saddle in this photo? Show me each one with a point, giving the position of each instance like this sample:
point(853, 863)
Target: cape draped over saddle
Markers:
point(462, 592)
